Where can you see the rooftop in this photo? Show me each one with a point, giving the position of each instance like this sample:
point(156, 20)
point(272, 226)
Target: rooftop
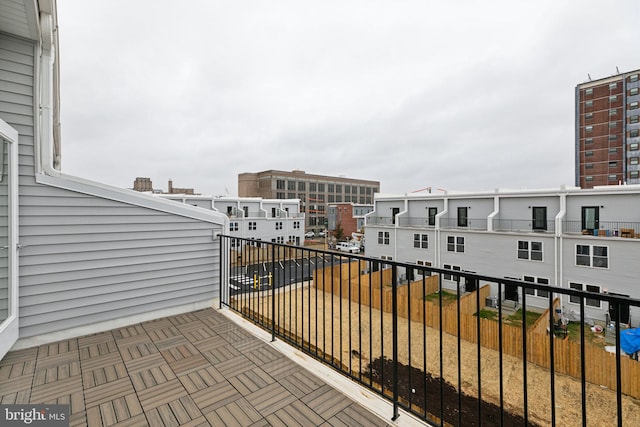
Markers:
point(199, 368)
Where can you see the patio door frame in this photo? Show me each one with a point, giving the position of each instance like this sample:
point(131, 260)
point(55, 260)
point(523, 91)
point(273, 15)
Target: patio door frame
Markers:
point(9, 326)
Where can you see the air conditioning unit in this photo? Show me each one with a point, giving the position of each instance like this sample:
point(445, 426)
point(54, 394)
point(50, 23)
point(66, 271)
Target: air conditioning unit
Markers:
point(491, 302)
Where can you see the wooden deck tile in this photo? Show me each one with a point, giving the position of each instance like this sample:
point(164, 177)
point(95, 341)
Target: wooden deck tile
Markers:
point(161, 323)
point(58, 348)
point(263, 354)
point(221, 354)
point(179, 351)
point(295, 414)
point(232, 367)
point(183, 319)
point(18, 363)
point(214, 397)
point(101, 361)
point(208, 343)
point(281, 368)
point(237, 413)
point(162, 334)
point(326, 401)
point(56, 372)
point(355, 415)
point(145, 362)
point(65, 392)
point(161, 394)
point(137, 351)
point(201, 379)
point(99, 376)
point(189, 364)
point(128, 332)
point(56, 359)
point(146, 378)
point(95, 339)
point(16, 390)
point(107, 392)
point(170, 342)
point(300, 383)
point(252, 380)
point(98, 349)
point(270, 398)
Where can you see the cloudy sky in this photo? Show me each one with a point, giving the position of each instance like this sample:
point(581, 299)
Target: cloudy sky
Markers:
point(463, 95)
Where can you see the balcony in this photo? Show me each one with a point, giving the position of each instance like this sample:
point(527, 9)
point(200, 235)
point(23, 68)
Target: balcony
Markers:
point(462, 356)
point(470, 224)
point(523, 225)
point(379, 220)
point(603, 228)
point(422, 222)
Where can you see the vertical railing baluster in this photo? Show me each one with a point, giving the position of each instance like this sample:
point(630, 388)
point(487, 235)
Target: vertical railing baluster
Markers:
point(552, 363)
point(273, 293)
point(394, 319)
point(583, 367)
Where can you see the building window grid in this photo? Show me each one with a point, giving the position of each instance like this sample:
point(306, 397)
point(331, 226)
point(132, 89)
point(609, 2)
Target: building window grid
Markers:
point(383, 237)
point(421, 241)
point(530, 250)
point(278, 225)
point(536, 292)
point(455, 244)
point(252, 226)
point(233, 226)
point(592, 256)
point(591, 302)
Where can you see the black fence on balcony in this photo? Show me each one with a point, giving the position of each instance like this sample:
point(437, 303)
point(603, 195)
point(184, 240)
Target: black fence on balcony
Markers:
point(452, 348)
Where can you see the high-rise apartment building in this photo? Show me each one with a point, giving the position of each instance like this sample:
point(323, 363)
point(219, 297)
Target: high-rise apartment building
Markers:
point(607, 126)
point(314, 191)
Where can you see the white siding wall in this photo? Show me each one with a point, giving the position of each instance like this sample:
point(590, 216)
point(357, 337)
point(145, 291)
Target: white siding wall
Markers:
point(86, 258)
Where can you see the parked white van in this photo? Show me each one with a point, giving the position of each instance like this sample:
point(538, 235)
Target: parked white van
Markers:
point(348, 247)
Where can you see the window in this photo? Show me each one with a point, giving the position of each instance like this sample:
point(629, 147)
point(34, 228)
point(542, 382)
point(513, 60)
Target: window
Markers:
point(383, 237)
point(233, 226)
point(361, 190)
point(347, 199)
point(591, 302)
point(613, 164)
point(613, 125)
point(369, 190)
point(633, 105)
point(331, 198)
point(633, 91)
point(588, 116)
point(280, 239)
point(252, 225)
point(347, 189)
point(588, 153)
point(588, 128)
point(539, 219)
point(588, 141)
point(588, 103)
point(633, 161)
point(634, 119)
point(588, 178)
point(278, 225)
point(312, 186)
point(588, 91)
point(291, 185)
point(536, 292)
point(394, 212)
point(455, 244)
point(613, 85)
point(291, 195)
point(633, 146)
point(280, 195)
point(453, 277)
point(613, 112)
point(338, 199)
point(633, 133)
point(321, 187)
point(301, 185)
point(331, 188)
point(529, 250)
point(338, 188)
point(612, 177)
point(633, 78)
point(280, 184)
point(292, 239)
point(590, 218)
point(432, 215)
point(296, 225)
point(613, 98)
point(425, 264)
point(588, 166)
point(613, 137)
point(613, 150)
point(634, 174)
point(462, 216)
point(421, 241)
point(592, 256)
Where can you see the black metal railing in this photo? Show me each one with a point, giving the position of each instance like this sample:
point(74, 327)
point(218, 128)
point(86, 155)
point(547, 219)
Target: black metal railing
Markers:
point(523, 225)
point(603, 228)
point(476, 350)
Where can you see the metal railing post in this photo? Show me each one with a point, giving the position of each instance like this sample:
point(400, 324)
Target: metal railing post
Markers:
point(273, 293)
point(394, 310)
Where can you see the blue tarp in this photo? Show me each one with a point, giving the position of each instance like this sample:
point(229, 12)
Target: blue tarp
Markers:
point(630, 340)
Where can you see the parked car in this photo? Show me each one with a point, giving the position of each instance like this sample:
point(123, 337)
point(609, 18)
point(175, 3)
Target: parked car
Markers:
point(309, 235)
point(322, 233)
point(348, 247)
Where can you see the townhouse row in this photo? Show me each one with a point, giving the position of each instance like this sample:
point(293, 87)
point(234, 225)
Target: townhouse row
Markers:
point(586, 239)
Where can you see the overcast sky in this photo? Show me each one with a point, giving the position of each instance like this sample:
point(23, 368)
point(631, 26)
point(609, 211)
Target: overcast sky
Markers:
point(463, 95)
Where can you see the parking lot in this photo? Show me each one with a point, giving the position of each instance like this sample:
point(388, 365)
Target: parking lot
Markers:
point(261, 276)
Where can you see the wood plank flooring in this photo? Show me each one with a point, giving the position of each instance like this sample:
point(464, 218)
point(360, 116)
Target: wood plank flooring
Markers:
point(194, 369)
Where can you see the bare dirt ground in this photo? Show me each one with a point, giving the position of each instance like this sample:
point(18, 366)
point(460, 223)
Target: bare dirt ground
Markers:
point(357, 336)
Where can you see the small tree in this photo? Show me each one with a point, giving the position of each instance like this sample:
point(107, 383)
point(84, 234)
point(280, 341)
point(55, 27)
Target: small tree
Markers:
point(339, 233)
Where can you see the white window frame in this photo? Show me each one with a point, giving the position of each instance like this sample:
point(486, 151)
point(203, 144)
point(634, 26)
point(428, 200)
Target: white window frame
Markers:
point(233, 226)
point(421, 241)
point(536, 292)
point(590, 256)
point(528, 253)
point(455, 244)
point(383, 237)
point(452, 277)
point(581, 287)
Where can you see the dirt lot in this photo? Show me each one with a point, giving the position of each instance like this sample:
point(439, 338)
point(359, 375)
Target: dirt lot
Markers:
point(372, 341)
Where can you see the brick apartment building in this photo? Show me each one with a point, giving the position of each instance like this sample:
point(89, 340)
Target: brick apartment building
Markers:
point(315, 192)
point(606, 131)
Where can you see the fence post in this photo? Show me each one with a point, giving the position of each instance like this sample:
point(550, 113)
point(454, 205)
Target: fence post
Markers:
point(394, 311)
point(223, 278)
point(273, 293)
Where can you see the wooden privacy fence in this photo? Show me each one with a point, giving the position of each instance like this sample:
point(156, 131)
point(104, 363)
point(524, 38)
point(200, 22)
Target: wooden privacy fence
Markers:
point(374, 290)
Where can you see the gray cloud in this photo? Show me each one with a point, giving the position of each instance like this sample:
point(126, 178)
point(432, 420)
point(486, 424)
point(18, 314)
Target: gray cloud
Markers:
point(463, 96)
